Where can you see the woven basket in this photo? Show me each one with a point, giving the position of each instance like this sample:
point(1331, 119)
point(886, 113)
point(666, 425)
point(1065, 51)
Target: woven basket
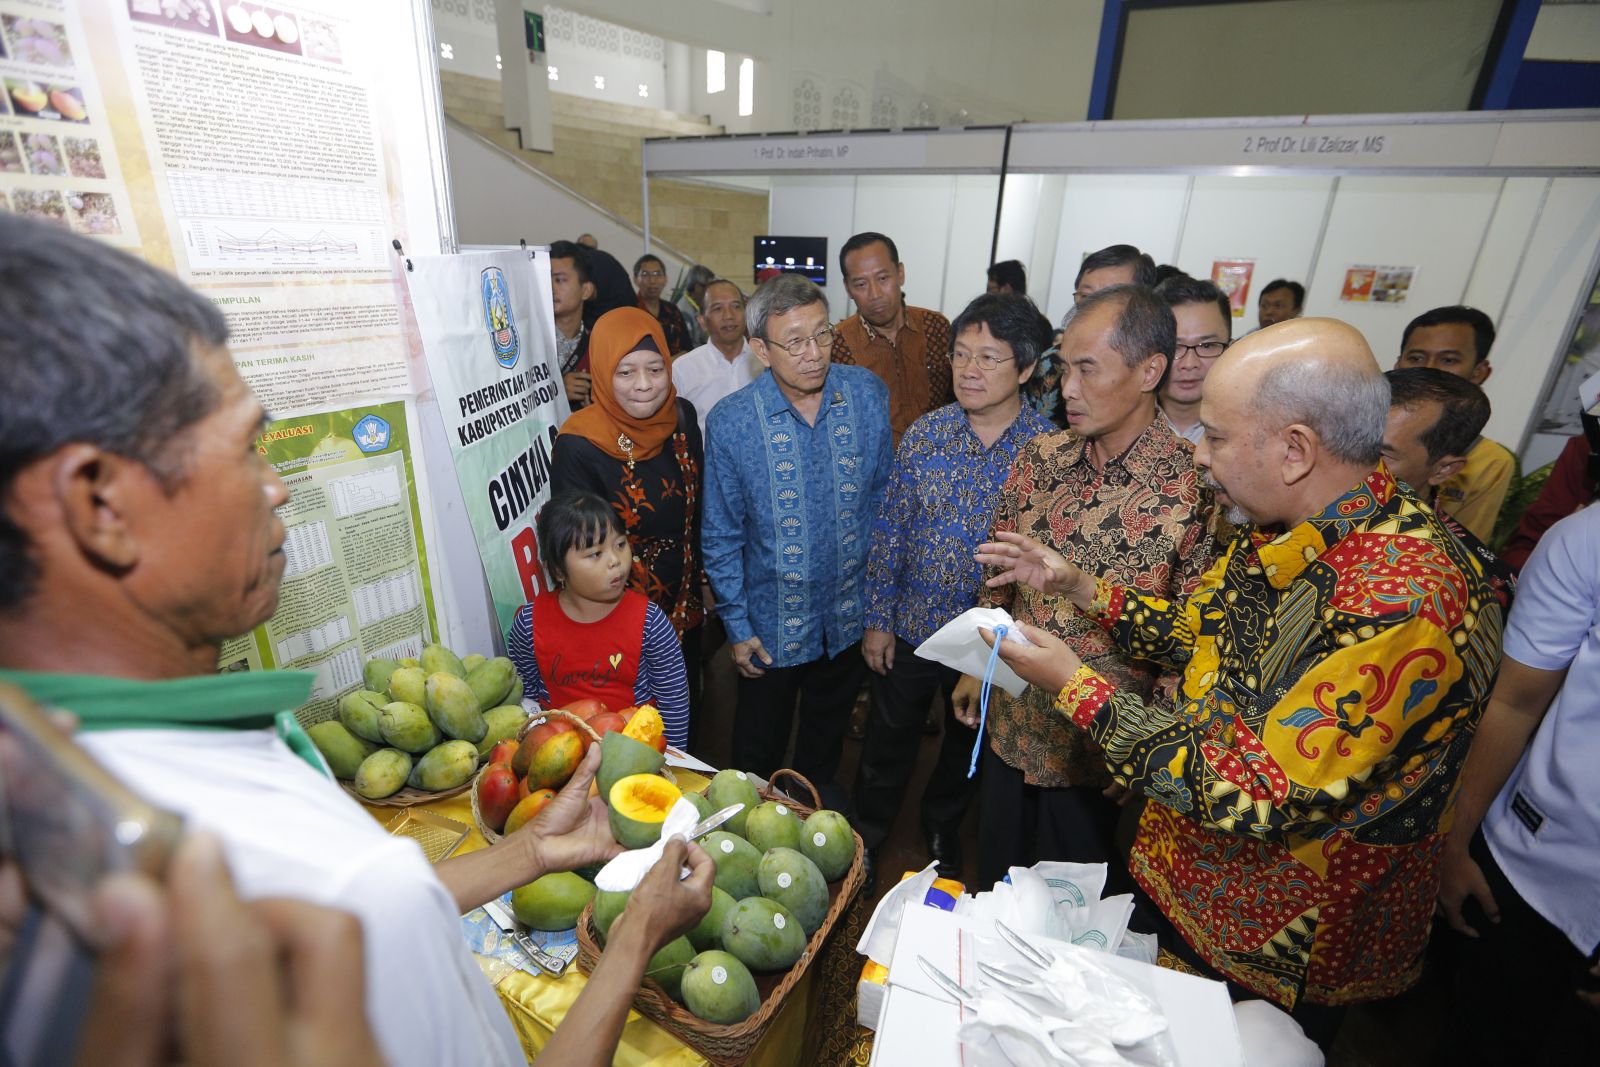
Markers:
point(722, 1045)
point(491, 836)
point(407, 797)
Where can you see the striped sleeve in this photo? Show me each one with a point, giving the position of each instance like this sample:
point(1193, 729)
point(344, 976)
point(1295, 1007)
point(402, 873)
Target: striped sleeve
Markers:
point(519, 648)
point(662, 680)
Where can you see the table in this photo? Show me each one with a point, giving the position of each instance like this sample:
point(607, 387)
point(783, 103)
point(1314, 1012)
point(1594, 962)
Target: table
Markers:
point(537, 1004)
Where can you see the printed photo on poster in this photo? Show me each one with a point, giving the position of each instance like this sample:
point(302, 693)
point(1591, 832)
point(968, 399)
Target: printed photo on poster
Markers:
point(1392, 284)
point(1377, 284)
point(1358, 284)
point(1232, 276)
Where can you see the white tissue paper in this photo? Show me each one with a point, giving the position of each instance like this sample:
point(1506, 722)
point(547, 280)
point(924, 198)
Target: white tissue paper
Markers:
point(1077, 1011)
point(1055, 900)
point(1271, 1038)
point(957, 644)
point(883, 929)
point(626, 869)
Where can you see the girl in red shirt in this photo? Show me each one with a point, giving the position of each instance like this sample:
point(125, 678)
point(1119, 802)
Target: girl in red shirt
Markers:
point(592, 636)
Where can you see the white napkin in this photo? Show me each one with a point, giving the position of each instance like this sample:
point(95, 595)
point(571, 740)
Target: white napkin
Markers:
point(1077, 1011)
point(626, 869)
point(957, 644)
point(883, 929)
point(1271, 1037)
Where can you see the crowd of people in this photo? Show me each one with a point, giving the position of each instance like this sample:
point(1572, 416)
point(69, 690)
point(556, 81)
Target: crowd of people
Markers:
point(1279, 681)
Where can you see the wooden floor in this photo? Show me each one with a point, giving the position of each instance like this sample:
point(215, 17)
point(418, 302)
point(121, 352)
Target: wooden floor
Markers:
point(1400, 1032)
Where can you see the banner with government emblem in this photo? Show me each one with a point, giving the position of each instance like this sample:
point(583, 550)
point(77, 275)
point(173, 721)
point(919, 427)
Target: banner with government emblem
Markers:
point(488, 334)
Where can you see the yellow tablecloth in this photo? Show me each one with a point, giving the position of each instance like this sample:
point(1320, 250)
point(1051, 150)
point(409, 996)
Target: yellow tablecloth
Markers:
point(537, 1004)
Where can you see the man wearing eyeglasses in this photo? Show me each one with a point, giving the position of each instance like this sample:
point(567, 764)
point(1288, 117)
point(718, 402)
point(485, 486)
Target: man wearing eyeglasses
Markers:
point(1205, 329)
point(1118, 493)
point(796, 464)
point(650, 275)
point(920, 571)
point(903, 345)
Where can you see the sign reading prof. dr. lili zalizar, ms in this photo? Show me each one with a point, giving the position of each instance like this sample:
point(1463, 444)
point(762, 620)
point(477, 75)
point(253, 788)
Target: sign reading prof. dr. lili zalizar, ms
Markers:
point(485, 324)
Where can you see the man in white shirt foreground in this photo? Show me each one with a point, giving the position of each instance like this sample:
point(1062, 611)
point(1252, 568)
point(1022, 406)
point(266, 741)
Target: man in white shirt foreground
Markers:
point(1519, 871)
point(137, 533)
point(724, 364)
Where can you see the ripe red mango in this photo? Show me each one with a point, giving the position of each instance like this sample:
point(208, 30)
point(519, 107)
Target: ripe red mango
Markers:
point(498, 793)
point(607, 722)
point(535, 738)
point(527, 808)
point(586, 708)
point(502, 752)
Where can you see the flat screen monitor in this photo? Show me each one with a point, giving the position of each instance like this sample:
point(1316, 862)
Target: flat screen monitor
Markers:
point(792, 255)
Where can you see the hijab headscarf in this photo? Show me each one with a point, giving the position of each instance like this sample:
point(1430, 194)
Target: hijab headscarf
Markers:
point(615, 334)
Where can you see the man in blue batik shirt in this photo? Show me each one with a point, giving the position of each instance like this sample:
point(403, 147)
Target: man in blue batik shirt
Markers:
point(796, 463)
point(920, 572)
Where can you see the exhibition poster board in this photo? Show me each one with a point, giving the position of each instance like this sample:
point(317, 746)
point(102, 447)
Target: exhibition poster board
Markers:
point(485, 321)
point(257, 153)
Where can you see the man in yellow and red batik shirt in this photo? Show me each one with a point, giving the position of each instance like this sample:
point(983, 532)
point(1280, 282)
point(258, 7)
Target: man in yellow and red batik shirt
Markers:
point(1334, 665)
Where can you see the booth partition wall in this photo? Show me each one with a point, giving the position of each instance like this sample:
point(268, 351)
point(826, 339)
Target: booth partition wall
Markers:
point(1380, 218)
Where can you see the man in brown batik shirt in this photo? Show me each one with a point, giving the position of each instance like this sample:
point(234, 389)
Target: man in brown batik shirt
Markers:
point(908, 347)
point(1117, 493)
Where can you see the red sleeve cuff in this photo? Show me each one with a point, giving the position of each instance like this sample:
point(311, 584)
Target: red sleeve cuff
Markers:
point(1083, 696)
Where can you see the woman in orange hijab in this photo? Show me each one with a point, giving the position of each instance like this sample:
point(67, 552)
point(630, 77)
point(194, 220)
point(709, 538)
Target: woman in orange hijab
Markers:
point(637, 446)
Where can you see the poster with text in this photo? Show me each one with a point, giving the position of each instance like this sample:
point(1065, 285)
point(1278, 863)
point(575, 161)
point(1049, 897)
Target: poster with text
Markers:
point(488, 336)
point(355, 579)
point(1232, 276)
point(248, 148)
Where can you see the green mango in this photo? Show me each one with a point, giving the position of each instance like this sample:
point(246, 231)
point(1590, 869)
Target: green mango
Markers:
point(501, 724)
point(553, 902)
point(409, 684)
point(445, 766)
point(406, 726)
point(375, 675)
point(453, 707)
point(708, 932)
point(720, 989)
point(343, 750)
point(359, 713)
point(382, 773)
point(608, 905)
point(827, 840)
point(701, 804)
point(668, 964)
point(763, 935)
point(472, 661)
point(787, 877)
point(773, 825)
point(621, 756)
point(409, 661)
point(737, 863)
point(436, 658)
point(733, 787)
point(491, 681)
point(515, 696)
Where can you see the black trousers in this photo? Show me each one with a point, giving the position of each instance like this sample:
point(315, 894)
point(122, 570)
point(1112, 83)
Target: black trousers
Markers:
point(1023, 824)
point(1512, 997)
point(826, 689)
point(900, 702)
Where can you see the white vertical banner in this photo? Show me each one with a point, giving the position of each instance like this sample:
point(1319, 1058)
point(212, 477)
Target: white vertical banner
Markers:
point(488, 336)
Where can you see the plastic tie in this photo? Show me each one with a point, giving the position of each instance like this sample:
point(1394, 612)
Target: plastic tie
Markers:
point(983, 696)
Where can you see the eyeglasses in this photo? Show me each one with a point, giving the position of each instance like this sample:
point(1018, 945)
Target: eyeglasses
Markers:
point(652, 274)
point(985, 361)
point(824, 339)
point(1206, 350)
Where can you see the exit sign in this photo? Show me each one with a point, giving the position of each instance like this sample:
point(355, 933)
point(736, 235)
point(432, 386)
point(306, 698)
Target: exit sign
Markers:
point(533, 30)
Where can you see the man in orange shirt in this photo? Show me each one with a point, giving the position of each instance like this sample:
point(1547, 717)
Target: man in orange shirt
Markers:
point(906, 346)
